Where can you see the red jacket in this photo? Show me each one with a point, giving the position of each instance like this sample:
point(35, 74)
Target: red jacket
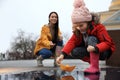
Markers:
point(99, 31)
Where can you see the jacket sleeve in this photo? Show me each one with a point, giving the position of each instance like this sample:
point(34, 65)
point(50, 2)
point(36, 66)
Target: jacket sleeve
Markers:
point(105, 40)
point(70, 45)
point(43, 40)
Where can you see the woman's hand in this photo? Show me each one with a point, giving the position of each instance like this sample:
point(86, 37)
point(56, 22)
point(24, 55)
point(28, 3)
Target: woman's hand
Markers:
point(52, 44)
point(59, 59)
point(60, 38)
point(90, 48)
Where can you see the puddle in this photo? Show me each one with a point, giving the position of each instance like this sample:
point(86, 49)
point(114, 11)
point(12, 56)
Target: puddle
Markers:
point(105, 74)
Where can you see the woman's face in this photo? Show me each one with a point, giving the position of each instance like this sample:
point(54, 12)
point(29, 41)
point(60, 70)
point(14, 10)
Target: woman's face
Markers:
point(53, 18)
point(82, 26)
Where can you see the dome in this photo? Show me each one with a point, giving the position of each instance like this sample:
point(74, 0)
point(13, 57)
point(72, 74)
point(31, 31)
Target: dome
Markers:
point(115, 5)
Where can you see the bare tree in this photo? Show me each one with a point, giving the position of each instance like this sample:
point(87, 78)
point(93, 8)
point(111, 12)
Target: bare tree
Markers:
point(23, 45)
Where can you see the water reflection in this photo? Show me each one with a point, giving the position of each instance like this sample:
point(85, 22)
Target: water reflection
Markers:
point(112, 74)
point(106, 74)
point(45, 75)
point(92, 77)
point(78, 75)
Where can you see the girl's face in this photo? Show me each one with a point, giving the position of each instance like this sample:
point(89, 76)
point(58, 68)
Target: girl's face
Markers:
point(82, 26)
point(53, 18)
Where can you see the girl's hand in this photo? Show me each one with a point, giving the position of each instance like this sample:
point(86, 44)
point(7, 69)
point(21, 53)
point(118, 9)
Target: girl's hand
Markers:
point(90, 48)
point(59, 59)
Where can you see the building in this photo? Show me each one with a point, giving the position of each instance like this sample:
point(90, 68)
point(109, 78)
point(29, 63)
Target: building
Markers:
point(111, 19)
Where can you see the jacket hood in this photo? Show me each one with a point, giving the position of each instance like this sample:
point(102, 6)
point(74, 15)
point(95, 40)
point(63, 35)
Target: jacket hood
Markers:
point(95, 17)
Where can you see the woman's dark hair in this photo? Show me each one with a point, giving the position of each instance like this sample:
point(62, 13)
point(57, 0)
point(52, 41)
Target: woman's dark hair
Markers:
point(56, 27)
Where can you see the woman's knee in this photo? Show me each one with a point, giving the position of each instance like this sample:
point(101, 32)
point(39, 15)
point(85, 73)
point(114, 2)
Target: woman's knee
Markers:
point(45, 53)
point(92, 40)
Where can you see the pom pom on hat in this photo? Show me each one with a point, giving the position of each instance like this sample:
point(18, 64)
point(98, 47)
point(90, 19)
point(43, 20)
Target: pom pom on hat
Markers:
point(78, 3)
point(80, 12)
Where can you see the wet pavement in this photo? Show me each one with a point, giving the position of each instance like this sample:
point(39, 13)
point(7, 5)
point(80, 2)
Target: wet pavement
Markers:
point(48, 72)
point(105, 74)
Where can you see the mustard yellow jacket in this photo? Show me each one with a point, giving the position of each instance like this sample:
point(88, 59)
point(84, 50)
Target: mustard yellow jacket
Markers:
point(44, 40)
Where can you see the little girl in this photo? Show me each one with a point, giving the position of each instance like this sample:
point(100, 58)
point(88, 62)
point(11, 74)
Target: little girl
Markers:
point(90, 40)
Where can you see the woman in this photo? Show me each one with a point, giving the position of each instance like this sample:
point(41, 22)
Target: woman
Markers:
point(50, 39)
point(90, 40)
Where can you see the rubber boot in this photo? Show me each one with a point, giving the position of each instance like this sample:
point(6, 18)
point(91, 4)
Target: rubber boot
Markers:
point(58, 51)
point(94, 64)
point(39, 61)
point(57, 54)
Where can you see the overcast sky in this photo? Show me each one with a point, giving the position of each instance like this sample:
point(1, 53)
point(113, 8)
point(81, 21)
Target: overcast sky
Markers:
point(31, 15)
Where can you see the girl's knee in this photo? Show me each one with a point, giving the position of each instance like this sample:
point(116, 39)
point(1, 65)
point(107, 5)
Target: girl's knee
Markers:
point(79, 52)
point(92, 40)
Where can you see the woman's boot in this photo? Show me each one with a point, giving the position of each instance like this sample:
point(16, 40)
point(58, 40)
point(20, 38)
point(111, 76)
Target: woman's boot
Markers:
point(39, 61)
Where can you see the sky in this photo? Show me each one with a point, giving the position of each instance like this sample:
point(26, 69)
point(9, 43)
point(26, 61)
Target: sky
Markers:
point(31, 15)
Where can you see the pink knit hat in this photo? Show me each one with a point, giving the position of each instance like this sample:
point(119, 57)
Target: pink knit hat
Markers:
point(80, 12)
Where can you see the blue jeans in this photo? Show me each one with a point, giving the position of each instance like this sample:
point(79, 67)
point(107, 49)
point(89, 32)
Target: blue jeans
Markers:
point(47, 53)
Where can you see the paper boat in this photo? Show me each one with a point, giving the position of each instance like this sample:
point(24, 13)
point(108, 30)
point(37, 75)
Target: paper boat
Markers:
point(67, 68)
